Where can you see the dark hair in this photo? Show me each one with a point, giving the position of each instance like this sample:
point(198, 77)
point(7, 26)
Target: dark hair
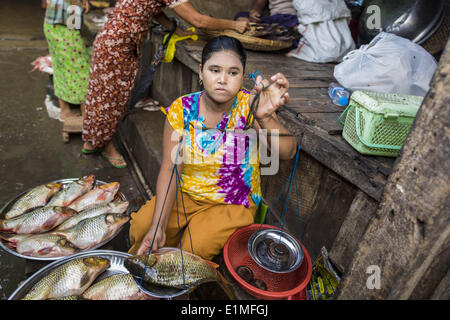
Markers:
point(222, 43)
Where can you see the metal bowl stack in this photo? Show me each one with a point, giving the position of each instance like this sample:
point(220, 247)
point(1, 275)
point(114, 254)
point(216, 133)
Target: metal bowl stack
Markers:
point(416, 20)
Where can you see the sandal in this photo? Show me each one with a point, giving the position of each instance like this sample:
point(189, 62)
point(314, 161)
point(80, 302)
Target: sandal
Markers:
point(111, 160)
point(91, 151)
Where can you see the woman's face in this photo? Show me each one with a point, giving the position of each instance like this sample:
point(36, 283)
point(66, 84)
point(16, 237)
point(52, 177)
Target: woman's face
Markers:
point(222, 76)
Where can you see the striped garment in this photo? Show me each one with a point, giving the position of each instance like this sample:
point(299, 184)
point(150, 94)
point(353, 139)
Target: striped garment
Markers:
point(221, 166)
point(64, 12)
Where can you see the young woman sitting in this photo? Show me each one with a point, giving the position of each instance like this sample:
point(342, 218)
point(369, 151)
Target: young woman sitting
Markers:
point(217, 162)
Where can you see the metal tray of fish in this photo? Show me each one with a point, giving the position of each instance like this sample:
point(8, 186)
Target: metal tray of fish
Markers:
point(9, 204)
point(116, 259)
point(116, 267)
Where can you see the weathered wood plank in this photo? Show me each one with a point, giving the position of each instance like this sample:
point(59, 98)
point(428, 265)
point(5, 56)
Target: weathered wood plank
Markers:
point(335, 196)
point(308, 175)
point(300, 83)
point(367, 172)
point(326, 121)
point(434, 275)
point(442, 291)
point(300, 105)
point(361, 212)
point(413, 225)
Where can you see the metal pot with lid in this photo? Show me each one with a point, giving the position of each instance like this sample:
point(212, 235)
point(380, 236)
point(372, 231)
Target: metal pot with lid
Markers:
point(275, 250)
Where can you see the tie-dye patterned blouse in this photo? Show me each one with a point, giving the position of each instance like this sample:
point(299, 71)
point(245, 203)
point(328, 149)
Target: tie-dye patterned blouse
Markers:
point(219, 165)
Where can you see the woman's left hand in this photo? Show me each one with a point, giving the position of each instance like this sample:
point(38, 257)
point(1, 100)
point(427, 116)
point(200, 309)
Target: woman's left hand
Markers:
point(273, 97)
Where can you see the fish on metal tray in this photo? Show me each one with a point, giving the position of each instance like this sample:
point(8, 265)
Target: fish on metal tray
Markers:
point(97, 196)
point(112, 207)
point(71, 278)
point(69, 298)
point(37, 221)
point(72, 191)
point(90, 232)
point(40, 245)
point(115, 287)
point(175, 269)
point(36, 197)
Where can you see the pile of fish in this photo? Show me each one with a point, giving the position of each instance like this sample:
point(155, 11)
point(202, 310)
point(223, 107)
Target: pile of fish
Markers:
point(75, 280)
point(174, 269)
point(55, 219)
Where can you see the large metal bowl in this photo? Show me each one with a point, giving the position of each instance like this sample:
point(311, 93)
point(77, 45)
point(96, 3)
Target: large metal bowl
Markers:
point(10, 203)
point(275, 250)
point(415, 20)
point(116, 259)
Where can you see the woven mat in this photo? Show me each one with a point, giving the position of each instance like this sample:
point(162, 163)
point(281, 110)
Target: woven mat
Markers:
point(249, 42)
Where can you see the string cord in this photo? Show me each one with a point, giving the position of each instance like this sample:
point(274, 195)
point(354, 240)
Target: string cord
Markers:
point(179, 230)
point(288, 184)
point(160, 214)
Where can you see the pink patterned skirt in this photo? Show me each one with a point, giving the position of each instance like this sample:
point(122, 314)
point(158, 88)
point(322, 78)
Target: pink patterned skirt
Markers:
point(113, 70)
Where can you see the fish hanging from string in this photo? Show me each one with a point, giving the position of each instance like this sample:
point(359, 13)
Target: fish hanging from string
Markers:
point(176, 269)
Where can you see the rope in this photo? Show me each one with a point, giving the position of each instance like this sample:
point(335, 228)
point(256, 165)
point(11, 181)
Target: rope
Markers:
point(178, 185)
point(160, 214)
point(255, 103)
point(292, 176)
point(179, 230)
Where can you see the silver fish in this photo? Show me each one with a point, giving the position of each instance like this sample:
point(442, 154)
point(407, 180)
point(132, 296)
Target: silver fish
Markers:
point(40, 245)
point(90, 232)
point(36, 197)
point(175, 269)
point(69, 298)
point(72, 191)
point(95, 197)
point(37, 221)
point(71, 278)
point(112, 207)
point(116, 287)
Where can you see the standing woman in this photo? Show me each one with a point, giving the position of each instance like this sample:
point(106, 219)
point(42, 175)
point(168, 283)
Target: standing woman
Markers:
point(220, 169)
point(70, 58)
point(114, 65)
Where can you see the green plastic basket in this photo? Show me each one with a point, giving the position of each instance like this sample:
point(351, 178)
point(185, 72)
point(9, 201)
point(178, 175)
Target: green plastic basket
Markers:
point(378, 123)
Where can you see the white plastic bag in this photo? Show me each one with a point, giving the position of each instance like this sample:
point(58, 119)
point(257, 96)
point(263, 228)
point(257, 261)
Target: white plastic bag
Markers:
point(43, 64)
point(324, 27)
point(390, 64)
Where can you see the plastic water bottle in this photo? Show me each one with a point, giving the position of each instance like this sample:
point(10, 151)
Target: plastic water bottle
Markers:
point(358, 3)
point(338, 94)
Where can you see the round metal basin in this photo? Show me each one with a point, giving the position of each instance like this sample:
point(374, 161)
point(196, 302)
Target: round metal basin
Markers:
point(275, 250)
point(415, 20)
